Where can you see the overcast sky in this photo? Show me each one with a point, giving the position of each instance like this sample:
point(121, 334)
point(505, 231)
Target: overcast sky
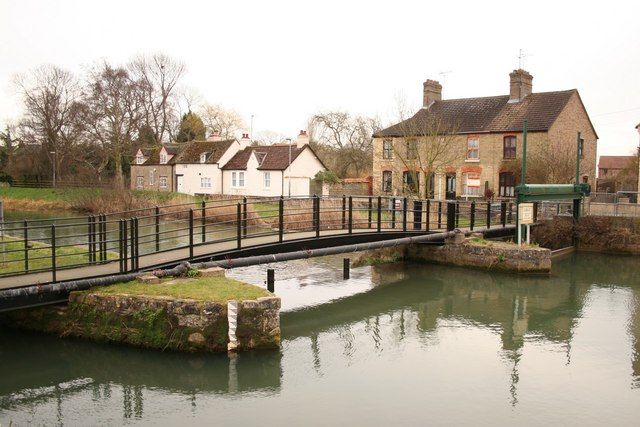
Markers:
point(283, 61)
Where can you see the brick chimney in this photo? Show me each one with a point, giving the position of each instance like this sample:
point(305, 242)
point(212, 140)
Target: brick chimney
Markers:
point(215, 136)
point(303, 139)
point(245, 141)
point(520, 85)
point(432, 92)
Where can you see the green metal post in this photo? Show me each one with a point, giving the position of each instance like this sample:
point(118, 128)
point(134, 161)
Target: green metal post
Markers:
point(576, 202)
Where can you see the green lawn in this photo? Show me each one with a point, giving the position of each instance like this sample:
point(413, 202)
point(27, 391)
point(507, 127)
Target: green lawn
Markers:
point(73, 194)
point(40, 255)
point(266, 210)
point(213, 289)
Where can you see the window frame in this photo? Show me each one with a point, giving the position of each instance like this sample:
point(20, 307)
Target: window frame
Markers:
point(414, 185)
point(387, 149)
point(466, 176)
point(475, 149)
point(512, 151)
point(387, 181)
point(139, 159)
point(505, 190)
point(234, 179)
point(163, 181)
point(266, 179)
point(241, 179)
point(140, 182)
point(205, 182)
point(412, 149)
point(152, 177)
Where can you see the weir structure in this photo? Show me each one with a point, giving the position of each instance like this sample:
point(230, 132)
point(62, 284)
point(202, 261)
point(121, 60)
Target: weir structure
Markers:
point(532, 193)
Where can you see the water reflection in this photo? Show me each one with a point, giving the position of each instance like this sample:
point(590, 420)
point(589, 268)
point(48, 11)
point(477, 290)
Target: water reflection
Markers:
point(424, 343)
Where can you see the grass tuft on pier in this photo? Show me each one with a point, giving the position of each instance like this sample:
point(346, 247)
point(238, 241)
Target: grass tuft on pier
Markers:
point(210, 289)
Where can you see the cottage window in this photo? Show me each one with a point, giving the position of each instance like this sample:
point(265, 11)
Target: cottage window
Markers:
point(203, 157)
point(509, 147)
point(140, 182)
point(205, 182)
point(471, 184)
point(237, 179)
point(267, 179)
point(507, 185)
point(163, 158)
point(387, 181)
point(163, 182)
point(152, 177)
point(139, 159)
point(387, 149)
point(473, 148)
point(410, 181)
point(412, 149)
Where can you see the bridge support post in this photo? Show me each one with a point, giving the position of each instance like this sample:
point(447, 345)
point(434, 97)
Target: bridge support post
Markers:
point(369, 212)
point(239, 225)
point(346, 267)
point(26, 245)
point(439, 215)
point(120, 248)
point(190, 233)
point(90, 239)
point(488, 215)
point(417, 215)
point(157, 220)
point(203, 221)
point(136, 230)
point(350, 214)
point(503, 213)
point(393, 212)
point(244, 217)
point(280, 219)
point(271, 280)
point(404, 214)
point(125, 245)
point(316, 214)
point(379, 214)
point(457, 214)
point(103, 239)
point(451, 216)
point(132, 242)
point(428, 218)
point(53, 253)
point(344, 212)
point(472, 216)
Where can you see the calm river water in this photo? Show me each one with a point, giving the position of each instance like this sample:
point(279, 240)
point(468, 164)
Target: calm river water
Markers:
point(395, 345)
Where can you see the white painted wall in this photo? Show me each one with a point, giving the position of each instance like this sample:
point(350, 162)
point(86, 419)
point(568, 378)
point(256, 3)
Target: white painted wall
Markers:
point(303, 169)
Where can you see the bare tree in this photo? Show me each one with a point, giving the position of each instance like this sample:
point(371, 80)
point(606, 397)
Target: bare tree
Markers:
point(51, 122)
point(216, 118)
point(428, 144)
point(269, 137)
point(114, 110)
point(346, 141)
point(159, 74)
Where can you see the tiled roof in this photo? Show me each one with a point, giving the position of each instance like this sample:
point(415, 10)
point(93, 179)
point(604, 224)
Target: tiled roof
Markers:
point(192, 150)
point(615, 162)
point(483, 115)
point(274, 157)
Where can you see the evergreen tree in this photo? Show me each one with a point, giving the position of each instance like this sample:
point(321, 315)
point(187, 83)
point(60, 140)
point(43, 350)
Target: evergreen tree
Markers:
point(191, 127)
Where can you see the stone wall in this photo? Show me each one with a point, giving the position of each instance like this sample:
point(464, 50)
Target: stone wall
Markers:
point(488, 255)
point(155, 322)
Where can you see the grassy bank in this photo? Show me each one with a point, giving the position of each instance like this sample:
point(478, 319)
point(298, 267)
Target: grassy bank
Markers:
point(212, 289)
point(85, 200)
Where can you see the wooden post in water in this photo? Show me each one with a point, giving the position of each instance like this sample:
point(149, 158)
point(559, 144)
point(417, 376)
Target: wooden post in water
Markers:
point(271, 280)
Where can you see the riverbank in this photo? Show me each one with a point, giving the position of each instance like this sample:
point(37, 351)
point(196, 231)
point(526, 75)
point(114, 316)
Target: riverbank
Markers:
point(188, 314)
point(85, 200)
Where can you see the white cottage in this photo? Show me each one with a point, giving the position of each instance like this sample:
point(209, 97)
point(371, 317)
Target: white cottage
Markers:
point(273, 170)
point(198, 165)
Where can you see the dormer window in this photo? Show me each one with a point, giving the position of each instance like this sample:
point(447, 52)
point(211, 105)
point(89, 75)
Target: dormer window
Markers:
point(139, 159)
point(203, 157)
point(163, 158)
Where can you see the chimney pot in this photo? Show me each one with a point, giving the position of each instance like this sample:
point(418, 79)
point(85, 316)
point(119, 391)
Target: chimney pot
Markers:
point(432, 91)
point(520, 85)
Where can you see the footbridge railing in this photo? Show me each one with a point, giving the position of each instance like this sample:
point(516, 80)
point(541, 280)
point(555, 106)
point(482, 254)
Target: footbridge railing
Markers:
point(51, 245)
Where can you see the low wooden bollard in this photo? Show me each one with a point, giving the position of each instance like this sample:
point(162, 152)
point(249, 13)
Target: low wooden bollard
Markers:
point(346, 266)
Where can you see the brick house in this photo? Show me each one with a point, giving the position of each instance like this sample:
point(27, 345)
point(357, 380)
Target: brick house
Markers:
point(152, 168)
point(482, 139)
point(616, 173)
